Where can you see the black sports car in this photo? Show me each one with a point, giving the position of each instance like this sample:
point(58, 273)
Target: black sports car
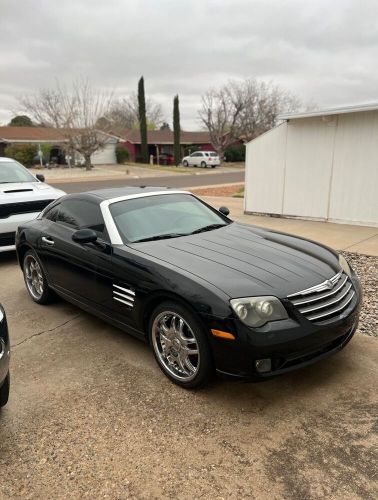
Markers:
point(4, 359)
point(205, 292)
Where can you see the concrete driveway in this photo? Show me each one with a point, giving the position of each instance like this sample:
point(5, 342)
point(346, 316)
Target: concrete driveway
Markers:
point(91, 416)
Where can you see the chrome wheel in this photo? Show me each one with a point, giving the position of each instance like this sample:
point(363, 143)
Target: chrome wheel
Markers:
point(175, 346)
point(33, 276)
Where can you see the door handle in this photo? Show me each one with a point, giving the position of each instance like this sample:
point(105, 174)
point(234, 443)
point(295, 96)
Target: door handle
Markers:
point(48, 241)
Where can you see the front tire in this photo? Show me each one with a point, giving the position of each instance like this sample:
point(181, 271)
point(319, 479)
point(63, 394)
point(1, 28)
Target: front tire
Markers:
point(35, 279)
point(180, 346)
point(4, 391)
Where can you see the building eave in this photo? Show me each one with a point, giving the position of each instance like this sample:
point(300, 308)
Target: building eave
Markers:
point(357, 108)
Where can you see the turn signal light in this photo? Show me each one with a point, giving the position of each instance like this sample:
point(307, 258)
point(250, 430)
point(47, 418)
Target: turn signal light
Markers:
point(223, 335)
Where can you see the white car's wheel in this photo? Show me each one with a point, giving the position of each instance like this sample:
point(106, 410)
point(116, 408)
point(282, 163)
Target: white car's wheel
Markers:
point(203, 164)
point(185, 163)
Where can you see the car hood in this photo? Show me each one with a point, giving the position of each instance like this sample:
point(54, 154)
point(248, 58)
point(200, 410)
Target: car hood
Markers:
point(16, 192)
point(245, 261)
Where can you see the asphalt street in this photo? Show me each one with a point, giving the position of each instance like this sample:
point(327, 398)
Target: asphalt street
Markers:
point(177, 181)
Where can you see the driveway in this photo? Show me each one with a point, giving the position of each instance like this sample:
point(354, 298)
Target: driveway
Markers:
point(91, 416)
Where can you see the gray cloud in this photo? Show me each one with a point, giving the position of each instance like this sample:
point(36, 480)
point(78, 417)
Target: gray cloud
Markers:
point(323, 51)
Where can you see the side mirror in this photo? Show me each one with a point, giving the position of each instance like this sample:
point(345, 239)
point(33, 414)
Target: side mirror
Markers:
point(40, 177)
point(84, 236)
point(224, 210)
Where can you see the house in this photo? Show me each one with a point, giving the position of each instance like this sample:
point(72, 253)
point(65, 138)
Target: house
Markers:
point(57, 139)
point(160, 142)
point(320, 165)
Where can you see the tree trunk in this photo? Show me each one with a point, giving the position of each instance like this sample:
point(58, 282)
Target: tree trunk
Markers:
point(142, 121)
point(176, 130)
point(88, 164)
point(220, 153)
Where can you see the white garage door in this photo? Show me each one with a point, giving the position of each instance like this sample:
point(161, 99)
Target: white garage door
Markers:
point(105, 156)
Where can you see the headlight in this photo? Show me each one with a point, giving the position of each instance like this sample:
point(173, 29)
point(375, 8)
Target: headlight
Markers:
point(344, 265)
point(256, 311)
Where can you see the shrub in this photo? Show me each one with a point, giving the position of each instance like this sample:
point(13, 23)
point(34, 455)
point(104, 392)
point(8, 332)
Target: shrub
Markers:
point(23, 153)
point(235, 152)
point(122, 154)
point(46, 150)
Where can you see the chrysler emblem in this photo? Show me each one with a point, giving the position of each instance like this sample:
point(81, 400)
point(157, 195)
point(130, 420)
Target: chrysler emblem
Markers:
point(328, 284)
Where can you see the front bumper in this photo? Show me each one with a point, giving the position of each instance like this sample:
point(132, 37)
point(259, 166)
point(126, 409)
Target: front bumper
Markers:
point(289, 344)
point(4, 346)
point(8, 228)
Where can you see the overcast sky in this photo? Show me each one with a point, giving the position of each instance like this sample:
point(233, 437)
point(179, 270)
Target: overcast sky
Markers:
point(325, 51)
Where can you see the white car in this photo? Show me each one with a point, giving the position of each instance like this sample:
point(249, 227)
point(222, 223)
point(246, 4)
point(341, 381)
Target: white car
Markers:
point(202, 159)
point(22, 198)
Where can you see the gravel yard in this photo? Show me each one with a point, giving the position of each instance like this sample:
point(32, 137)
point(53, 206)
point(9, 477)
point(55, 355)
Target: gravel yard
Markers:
point(226, 190)
point(366, 268)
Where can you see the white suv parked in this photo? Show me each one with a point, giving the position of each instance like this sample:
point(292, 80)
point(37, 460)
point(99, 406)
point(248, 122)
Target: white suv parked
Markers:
point(22, 198)
point(202, 159)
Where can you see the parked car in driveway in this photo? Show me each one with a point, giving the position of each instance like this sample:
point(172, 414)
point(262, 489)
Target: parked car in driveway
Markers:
point(4, 359)
point(202, 159)
point(207, 293)
point(164, 159)
point(22, 197)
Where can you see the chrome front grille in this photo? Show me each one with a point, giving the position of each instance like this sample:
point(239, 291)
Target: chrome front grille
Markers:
point(326, 299)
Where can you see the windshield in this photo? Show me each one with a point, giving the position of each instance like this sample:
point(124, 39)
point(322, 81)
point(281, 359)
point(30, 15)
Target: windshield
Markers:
point(11, 171)
point(163, 216)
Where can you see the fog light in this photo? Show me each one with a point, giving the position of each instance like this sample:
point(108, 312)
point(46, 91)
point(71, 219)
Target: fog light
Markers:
point(263, 365)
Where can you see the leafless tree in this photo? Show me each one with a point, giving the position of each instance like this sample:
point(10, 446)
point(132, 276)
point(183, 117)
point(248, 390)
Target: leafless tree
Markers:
point(76, 111)
point(243, 110)
point(220, 113)
point(124, 115)
point(263, 102)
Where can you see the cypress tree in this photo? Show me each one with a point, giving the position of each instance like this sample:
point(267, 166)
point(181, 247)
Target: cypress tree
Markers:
point(142, 120)
point(176, 130)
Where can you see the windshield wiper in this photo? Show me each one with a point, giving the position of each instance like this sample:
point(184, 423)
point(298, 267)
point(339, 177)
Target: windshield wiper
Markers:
point(210, 227)
point(161, 237)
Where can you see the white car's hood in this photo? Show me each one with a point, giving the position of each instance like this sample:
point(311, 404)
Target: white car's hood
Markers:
point(16, 192)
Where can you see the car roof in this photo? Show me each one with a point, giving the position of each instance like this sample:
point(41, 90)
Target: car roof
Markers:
point(100, 195)
point(4, 158)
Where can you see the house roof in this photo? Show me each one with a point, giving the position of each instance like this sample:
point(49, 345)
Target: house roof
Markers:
point(357, 108)
point(38, 134)
point(163, 136)
point(30, 134)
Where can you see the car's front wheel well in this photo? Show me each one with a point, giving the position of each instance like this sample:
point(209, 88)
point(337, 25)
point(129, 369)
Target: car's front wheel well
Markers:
point(21, 251)
point(158, 298)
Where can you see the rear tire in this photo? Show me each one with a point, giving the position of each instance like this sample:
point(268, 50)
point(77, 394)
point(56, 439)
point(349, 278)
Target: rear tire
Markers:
point(203, 164)
point(4, 391)
point(185, 163)
point(180, 346)
point(35, 279)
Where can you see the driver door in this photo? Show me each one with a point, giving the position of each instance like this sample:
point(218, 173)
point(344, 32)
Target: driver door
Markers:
point(72, 267)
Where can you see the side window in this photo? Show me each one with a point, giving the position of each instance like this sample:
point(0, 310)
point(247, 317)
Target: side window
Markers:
point(80, 214)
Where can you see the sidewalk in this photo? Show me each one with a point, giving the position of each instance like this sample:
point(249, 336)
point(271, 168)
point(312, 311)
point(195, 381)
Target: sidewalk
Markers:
point(360, 239)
